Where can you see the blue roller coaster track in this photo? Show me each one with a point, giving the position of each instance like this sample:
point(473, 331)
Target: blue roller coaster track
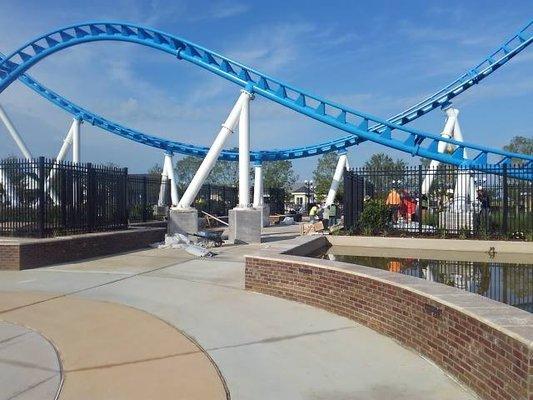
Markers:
point(360, 126)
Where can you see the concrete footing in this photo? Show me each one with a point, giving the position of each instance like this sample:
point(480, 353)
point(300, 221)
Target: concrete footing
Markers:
point(265, 214)
point(245, 225)
point(183, 221)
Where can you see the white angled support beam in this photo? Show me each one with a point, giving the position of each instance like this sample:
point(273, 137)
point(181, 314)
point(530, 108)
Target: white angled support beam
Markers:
point(15, 135)
point(163, 187)
point(337, 176)
point(169, 166)
point(60, 157)
point(66, 143)
point(447, 132)
point(76, 127)
point(244, 151)
point(465, 191)
point(258, 185)
point(211, 157)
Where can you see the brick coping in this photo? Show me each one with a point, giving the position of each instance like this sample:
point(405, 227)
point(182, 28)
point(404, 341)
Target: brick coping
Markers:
point(4, 240)
point(433, 319)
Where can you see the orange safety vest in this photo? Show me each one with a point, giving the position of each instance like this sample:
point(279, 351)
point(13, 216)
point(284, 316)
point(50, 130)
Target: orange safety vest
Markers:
point(393, 199)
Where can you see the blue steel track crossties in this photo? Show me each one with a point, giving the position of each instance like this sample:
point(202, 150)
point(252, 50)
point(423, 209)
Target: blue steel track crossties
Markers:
point(360, 126)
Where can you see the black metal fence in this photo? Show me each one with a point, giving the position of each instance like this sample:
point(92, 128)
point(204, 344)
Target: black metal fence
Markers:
point(42, 198)
point(216, 200)
point(276, 199)
point(441, 201)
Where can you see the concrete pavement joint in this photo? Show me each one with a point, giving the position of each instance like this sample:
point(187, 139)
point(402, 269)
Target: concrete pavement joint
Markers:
point(87, 288)
point(31, 388)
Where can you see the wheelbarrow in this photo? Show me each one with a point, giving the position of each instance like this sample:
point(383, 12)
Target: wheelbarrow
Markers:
point(207, 238)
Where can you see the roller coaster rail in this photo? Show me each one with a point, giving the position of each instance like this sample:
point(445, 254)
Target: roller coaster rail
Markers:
point(356, 123)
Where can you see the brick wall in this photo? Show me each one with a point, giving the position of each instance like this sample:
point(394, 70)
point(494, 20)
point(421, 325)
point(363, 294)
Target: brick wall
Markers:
point(9, 256)
point(41, 252)
point(495, 365)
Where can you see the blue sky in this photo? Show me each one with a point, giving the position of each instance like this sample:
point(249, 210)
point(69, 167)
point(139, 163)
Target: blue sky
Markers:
point(376, 56)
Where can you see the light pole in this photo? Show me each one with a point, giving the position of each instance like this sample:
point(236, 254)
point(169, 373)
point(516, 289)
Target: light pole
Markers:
point(308, 189)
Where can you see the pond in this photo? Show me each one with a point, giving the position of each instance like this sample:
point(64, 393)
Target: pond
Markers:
point(506, 278)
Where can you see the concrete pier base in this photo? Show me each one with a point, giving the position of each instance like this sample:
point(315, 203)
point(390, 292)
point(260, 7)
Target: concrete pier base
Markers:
point(183, 221)
point(265, 214)
point(245, 225)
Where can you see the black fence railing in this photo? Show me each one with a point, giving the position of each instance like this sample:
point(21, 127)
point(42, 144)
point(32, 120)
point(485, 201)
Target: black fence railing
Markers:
point(440, 201)
point(42, 197)
point(143, 197)
point(276, 199)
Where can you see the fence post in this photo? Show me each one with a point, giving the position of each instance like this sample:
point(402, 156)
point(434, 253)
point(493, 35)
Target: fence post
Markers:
point(124, 199)
point(348, 200)
point(41, 197)
point(420, 199)
point(63, 194)
point(91, 198)
point(143, 200)
point(505, 215)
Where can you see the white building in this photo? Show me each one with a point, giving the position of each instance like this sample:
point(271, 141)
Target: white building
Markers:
point(303, 194)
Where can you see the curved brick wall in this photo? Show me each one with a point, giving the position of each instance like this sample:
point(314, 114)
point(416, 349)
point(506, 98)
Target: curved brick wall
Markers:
point(485, 344)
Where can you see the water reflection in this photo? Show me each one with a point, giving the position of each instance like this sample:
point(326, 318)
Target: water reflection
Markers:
point(504, 282)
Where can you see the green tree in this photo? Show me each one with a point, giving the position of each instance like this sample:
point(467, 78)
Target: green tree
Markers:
point(323, 174)
point(279, 174)
point(384, 162)
point(223, 173)
point(155, 170)
point(386, 170)
point(520, 144)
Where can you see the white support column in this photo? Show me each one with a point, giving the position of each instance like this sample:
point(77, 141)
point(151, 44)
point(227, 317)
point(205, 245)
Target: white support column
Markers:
point(14, 134)
point(337, 176)
point(170, 172)
point(60, 157)
point(244, 151)
point(211, 157)
point(258, 185)
point(163, 187)
point(447, 132)
point(76, 140)
point(464, 185)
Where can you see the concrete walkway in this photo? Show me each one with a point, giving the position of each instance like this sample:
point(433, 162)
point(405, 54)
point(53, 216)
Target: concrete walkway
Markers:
point(29, 364)
point(265, 347)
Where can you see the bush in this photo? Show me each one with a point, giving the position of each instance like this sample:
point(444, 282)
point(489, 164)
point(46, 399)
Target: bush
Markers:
point(374, 218)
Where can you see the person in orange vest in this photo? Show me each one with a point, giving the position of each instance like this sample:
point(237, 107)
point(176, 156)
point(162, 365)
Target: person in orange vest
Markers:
point(394, 201)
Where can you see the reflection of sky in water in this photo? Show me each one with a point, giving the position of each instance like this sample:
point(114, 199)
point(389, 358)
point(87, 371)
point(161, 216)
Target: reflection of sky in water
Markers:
point(508, 283)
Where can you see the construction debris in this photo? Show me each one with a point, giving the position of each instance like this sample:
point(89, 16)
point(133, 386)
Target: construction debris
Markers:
point(311, 229)
point(179, 241)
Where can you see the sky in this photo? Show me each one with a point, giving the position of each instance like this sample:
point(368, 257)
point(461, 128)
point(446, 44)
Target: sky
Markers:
point(375, 56)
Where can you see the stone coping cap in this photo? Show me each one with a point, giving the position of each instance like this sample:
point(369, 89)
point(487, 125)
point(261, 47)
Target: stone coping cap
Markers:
point(507, 319)
point(23, 240)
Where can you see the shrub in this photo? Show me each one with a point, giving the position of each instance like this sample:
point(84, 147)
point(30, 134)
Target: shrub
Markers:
point(374, 218)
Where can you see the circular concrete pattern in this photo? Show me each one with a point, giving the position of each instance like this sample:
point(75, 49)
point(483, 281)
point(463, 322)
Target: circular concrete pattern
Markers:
point(111, 351)
point(29, 363)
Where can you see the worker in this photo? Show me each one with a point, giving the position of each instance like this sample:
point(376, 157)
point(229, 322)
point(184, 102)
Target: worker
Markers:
point(394, 201)
point(325, 216)
point(408, 205)
point(313, 213)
